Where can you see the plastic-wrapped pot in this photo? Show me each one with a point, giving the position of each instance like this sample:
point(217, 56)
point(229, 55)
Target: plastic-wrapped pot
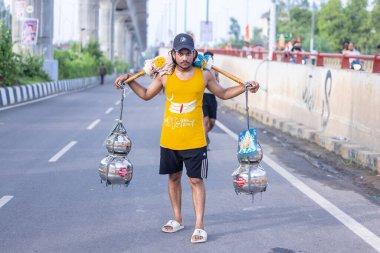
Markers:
point(249, 179)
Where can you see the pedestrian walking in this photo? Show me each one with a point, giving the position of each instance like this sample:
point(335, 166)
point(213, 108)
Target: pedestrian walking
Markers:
point(182, 137)
point(102, 73)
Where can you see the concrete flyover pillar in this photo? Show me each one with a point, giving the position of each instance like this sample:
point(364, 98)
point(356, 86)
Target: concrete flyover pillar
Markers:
point(88, 21)
point(32, 26)
point(121, 36)
point(128, 47)
point(105, 26)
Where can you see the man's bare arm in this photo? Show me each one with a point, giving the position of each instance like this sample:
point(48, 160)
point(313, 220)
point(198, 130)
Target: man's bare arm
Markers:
point(145, 93)
point(226, 93)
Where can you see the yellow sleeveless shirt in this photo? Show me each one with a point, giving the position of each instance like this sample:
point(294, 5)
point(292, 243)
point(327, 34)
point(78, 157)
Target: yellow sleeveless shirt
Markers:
point(183, 119)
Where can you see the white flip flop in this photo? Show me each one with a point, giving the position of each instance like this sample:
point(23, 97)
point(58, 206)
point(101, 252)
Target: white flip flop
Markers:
point(176, 226)
point(200, 233)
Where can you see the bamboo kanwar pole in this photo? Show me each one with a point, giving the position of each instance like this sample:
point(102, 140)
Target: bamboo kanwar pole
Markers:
point(133, 77)
point(232, 77)
point(226, 74)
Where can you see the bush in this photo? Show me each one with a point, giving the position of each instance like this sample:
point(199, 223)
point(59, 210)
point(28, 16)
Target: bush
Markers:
point(8, 60)
point(18, 68)
point(77, 62)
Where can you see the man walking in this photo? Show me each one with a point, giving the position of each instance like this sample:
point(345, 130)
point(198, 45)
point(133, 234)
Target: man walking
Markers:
point(102, 73)
point(210, 105)
point(182, 138)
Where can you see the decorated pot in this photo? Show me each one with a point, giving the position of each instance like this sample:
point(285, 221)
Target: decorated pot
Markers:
point(115, 170)
point(118, 141)
point(249, 179)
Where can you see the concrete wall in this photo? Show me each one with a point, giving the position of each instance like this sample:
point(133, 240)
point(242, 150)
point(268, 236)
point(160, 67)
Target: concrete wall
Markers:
point(339, 103)
point(337, 109)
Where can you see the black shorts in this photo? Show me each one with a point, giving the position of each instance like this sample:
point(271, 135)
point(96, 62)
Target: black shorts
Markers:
point(209, 106)
point(195, 160)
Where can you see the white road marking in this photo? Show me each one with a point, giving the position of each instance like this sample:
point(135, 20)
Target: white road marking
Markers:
point(93, 124)
point(361, 231)
point(62, 151)
point(109, 110)
point(117, 102)
point(5, 200)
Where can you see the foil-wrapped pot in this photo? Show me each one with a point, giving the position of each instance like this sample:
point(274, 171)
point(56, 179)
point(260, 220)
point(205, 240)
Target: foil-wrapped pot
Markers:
point(249, 179)
point(115, 170)
point(118, 141)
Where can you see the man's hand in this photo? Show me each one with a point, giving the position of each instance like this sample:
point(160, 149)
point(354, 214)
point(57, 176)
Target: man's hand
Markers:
point(119, 81)
point(253, 86)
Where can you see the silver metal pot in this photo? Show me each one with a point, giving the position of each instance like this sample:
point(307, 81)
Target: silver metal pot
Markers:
point(118, 141)
point(115, 170)
point(249, 179)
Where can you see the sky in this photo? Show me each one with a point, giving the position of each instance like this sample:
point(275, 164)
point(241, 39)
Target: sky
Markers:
point(165, 20)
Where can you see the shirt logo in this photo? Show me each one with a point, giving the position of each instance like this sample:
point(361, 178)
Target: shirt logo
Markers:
point(180, 108)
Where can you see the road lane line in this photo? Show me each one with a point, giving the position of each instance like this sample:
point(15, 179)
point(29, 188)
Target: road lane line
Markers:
point(117, 102)
point(62, 151)
point(93, 124)
point(109, 110)
point(361, 231)
point(5, 200)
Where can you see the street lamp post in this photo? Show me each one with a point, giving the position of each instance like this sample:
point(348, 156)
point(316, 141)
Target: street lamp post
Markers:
point(272, 31)
point(312, 27)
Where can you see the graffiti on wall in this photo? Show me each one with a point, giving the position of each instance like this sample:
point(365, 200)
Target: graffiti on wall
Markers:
point(308, 96)
point(325, 115)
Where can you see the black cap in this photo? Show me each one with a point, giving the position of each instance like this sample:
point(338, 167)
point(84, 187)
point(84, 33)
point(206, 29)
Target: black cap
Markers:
point(183, 41)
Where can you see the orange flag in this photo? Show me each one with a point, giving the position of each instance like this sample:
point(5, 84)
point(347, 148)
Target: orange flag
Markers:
point(246, 36)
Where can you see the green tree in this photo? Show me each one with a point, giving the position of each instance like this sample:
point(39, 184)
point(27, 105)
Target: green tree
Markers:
point(374, 39)
point(234, 29)
point(331, 24)
point(8, 60)
point(357, 23)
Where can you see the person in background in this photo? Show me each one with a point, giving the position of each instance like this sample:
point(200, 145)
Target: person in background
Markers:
point(344, 47)
point(210, 105)
point(102, 73)
point(378, 50)
point(352, 51)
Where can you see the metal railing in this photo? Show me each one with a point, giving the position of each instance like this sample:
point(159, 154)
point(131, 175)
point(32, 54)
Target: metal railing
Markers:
point(371, 63)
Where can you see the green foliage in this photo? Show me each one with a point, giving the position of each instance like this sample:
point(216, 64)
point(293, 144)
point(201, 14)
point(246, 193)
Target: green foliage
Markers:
point(18, 68)
point(31, 68)
point(78, 61)
point(8, 60)
point(120, 66)
point(234, 29)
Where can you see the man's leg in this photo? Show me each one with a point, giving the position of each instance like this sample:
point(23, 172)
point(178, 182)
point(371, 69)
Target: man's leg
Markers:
point(199, 200)
point(175, 193)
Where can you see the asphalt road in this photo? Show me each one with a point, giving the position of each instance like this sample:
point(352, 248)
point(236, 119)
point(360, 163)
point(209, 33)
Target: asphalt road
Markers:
point(51, 198)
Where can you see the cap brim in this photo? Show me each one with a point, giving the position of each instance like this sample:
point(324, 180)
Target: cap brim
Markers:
point(183, 47)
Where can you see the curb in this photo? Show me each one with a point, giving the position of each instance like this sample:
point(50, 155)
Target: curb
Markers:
point(345, 148)
point(19, 94)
